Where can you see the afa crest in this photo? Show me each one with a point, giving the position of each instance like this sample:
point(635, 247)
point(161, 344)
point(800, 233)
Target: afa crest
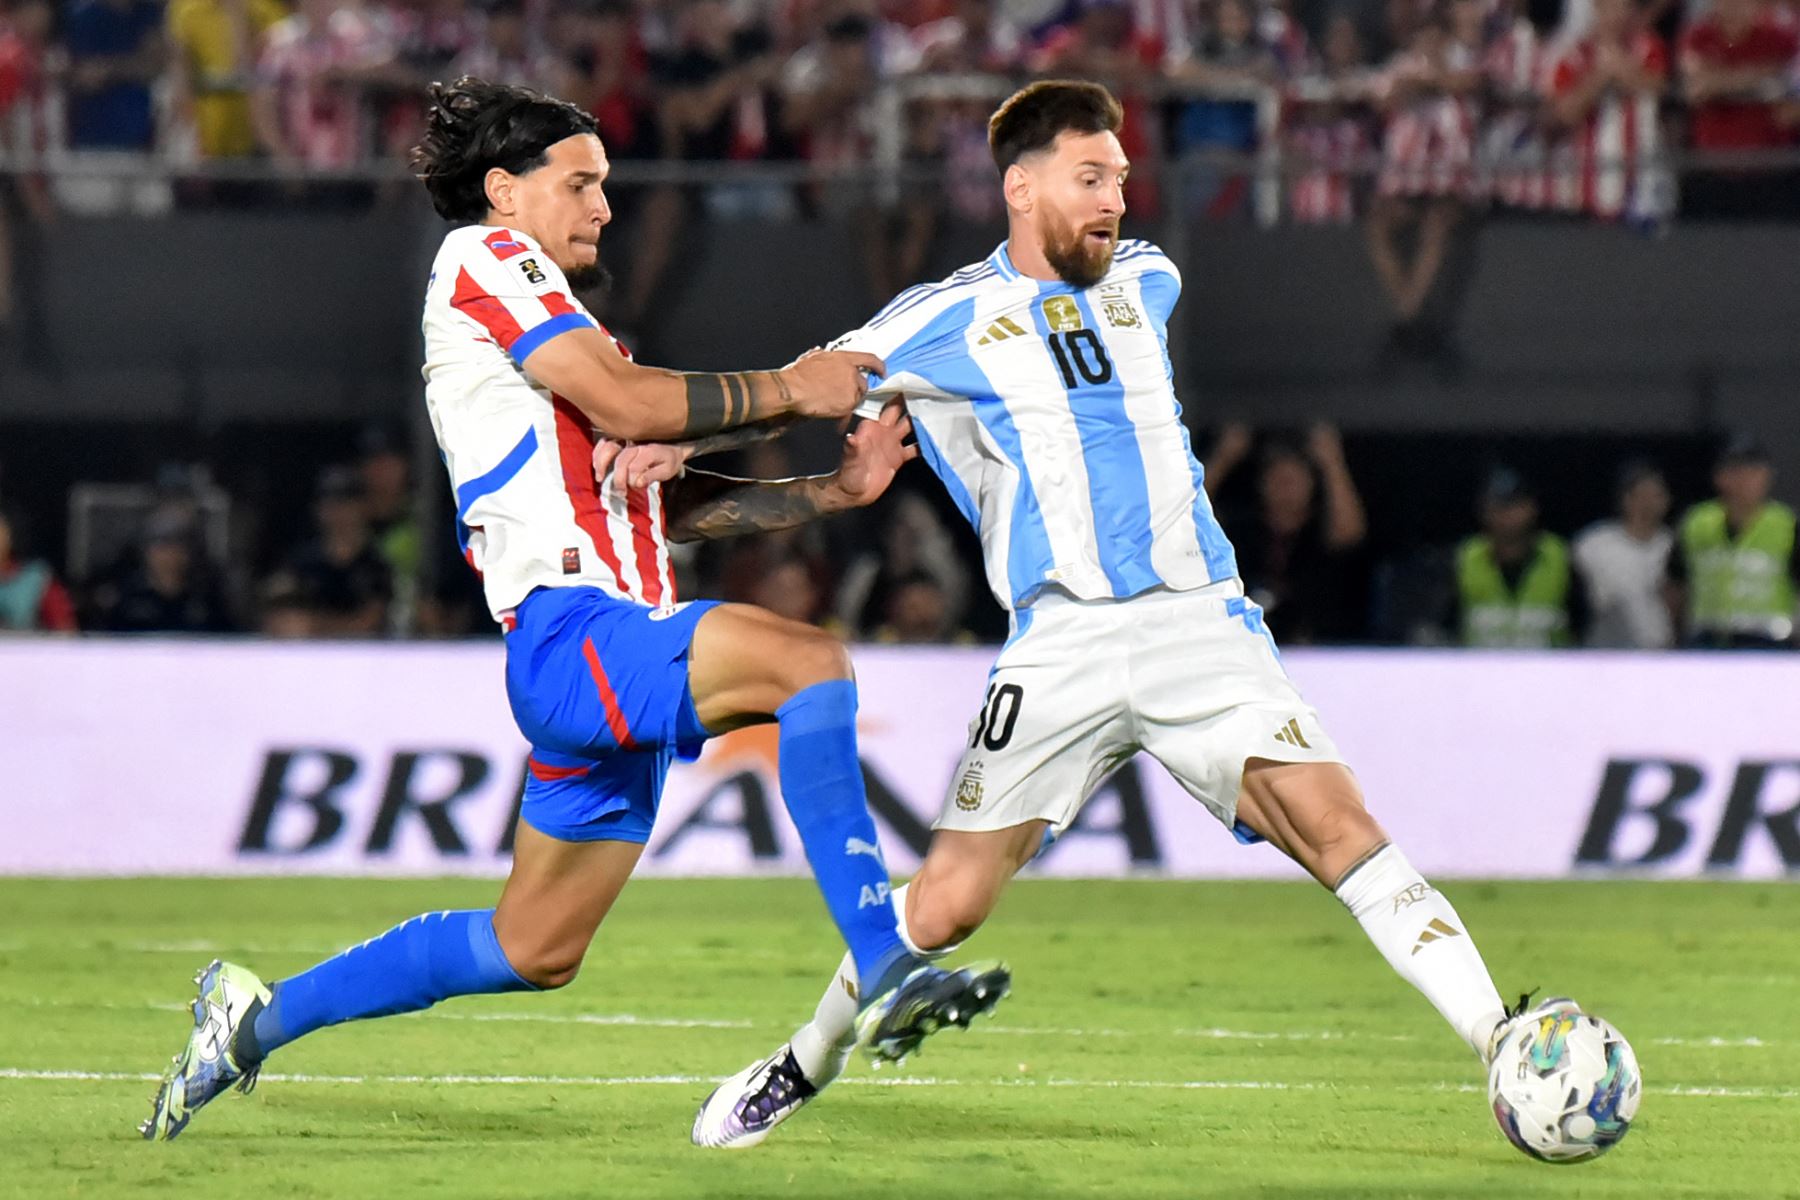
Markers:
point(968, 790)
point(1121, 315)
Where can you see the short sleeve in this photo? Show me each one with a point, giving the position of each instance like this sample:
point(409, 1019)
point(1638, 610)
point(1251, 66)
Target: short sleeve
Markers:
point(908, 335)
point(515, 293)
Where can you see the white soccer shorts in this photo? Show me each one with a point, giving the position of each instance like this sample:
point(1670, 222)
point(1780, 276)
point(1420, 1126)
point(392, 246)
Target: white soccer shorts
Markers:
point(1191, 678)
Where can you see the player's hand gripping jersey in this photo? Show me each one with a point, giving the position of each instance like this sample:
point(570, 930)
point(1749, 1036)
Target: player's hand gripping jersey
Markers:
point(1049, 412)
point(529, 511)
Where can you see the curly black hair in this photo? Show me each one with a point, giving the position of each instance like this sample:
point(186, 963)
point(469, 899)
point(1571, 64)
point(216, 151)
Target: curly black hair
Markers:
point(475, 126)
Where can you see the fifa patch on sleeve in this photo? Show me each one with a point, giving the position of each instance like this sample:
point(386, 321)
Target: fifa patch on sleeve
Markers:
point(572, 560)
point(534, 274)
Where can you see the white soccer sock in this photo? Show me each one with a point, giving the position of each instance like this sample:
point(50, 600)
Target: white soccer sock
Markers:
point(822, 1046)
point(1422, 938)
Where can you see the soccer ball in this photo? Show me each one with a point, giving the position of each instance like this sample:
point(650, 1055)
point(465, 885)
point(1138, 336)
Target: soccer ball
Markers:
point(1564, 1086)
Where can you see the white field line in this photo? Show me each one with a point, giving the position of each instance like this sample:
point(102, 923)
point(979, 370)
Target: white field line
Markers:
point(1251, 1085)
point(637, 1020)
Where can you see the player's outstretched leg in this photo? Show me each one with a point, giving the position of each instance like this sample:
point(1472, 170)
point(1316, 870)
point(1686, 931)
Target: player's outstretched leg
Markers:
point(956, 888)
point(747, 665)
point(1314, 813)
point(554, 899)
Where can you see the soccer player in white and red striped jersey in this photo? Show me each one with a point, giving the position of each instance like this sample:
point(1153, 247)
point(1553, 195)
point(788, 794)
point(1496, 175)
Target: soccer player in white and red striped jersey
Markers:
point(609, 678)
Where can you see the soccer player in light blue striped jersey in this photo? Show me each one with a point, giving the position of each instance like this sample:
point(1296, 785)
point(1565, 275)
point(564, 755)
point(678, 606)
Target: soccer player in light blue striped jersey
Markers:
point(1038, 383)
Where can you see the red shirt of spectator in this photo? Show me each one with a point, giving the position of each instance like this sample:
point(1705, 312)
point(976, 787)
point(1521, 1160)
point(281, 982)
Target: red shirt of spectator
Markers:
point(1742, 37)
point(320, 113)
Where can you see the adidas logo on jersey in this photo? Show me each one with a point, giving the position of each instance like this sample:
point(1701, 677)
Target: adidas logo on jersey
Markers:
point(1000, 330)
point(1438, 929)
point(1290, 733)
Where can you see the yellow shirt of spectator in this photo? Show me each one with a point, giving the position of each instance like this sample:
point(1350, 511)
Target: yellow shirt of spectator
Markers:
point(218, 41)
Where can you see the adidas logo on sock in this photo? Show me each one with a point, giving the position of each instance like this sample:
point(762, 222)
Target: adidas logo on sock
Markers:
point(1439, 928)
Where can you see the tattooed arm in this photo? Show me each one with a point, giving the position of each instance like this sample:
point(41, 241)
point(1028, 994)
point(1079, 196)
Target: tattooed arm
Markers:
point(700, 505)
point(638, 403)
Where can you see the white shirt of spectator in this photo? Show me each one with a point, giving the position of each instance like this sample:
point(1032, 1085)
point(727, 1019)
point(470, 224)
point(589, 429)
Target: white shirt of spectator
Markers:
point(1624, 579)
point(529, 511)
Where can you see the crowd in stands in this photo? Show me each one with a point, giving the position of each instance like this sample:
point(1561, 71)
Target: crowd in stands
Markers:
point(1531, 104)
point(1409, 116)
point(1722, 572)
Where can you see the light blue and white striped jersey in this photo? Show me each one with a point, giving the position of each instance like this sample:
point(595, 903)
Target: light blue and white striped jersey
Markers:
point(1049, 412)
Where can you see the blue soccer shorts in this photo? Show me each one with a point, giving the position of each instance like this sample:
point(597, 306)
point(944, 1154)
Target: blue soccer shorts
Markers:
point(599, 687)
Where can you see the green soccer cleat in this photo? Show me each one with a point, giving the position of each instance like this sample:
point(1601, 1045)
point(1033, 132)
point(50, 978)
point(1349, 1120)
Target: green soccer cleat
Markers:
point(893, 1024)
point(229, 996)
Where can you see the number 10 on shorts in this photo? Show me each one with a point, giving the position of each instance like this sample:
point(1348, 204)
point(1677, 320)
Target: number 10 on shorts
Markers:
point(999, 713)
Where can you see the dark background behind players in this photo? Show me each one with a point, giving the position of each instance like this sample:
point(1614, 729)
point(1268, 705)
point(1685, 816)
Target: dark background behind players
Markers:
point(796, 162)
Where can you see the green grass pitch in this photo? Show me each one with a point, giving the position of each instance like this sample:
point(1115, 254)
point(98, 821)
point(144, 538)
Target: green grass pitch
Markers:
point(1163, 1039)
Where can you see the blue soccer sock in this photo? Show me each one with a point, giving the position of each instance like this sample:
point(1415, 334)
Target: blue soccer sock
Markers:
point(821, 781)
point(413, 965)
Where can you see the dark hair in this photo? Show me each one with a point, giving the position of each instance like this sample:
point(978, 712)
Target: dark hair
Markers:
point(475, 126)
point(1032, 117)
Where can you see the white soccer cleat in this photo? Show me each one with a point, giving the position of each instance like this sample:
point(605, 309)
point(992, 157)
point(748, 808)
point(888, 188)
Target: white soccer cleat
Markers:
point(746, 1108)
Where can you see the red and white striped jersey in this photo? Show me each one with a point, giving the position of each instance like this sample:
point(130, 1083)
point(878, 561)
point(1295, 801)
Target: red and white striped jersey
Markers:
point(1428, 147)
point(1608, 166)
point(529, 510)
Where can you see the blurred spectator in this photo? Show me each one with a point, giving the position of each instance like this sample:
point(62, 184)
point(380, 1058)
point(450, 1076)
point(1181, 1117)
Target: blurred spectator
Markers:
point(308, 104)
point(1328, 128)
point(1104, 44)
point(718, 104)
point(1514, 588)
point(116, 51)
point(1734, 65)
point(1427, 179)
point(1231, 69)
point(912, 542)
point(283, 611)
point(1298, 552)
point(610, 68)
point(31, 598)
point(508, 54)
point(341, 574)
point(1606, 142)
point(1513, 142)
point(415, 43)
point(1739, 560)
point(919, 613)
point(170, 588)
point(214, 46)
point(976, 38)
point(790, 586)
point(1624, 566)
point(24, 135)
point(386, 478)
point(834, 111)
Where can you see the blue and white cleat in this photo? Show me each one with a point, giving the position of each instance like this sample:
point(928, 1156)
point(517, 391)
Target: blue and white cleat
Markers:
point(895, 1023)
point(229, 995)
point(1523, 1013)
point(746, 1108)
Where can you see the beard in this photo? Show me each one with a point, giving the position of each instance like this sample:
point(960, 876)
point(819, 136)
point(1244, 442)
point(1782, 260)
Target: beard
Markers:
point(593, 280)
point(1078, 260)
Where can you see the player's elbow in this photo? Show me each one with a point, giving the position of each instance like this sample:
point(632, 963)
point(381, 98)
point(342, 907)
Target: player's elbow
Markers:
point(615, 415)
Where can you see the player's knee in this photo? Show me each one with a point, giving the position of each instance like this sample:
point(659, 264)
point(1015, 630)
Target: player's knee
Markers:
point(812, 656)
point(946, 918)
point(547, 968)
point(1339, 826)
